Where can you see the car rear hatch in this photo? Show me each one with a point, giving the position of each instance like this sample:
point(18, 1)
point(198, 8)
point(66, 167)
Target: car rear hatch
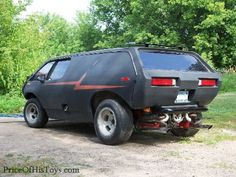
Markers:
point(175, 78)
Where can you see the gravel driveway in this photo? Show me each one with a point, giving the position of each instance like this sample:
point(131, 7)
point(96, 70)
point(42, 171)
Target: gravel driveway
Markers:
point(75, 146)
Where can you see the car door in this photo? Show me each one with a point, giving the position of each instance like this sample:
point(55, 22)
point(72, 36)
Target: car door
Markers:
point(98, 73)
point(50, 92)
point(37, 83)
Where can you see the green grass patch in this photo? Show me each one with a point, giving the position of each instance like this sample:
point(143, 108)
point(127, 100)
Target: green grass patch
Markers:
point(175, 154)
point(228, 82)
point(211, 137)
point(11, 104)
point(222, 115)
point(222, 111)
point(223, 165)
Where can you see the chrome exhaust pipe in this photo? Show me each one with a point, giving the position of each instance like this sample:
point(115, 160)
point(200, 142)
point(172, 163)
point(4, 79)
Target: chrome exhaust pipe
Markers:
point(178, 118)
point(187, 117)
point(163, 117)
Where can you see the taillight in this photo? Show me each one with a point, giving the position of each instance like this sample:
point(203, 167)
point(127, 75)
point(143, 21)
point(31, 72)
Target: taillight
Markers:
point(207, 82)
point(163, 82)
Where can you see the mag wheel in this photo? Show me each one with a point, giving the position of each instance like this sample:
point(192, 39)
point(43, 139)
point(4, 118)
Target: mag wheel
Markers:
point(106, 121)
point(34, 114)
point(113, 122)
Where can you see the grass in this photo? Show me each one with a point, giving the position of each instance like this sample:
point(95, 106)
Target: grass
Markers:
point(11, 104)
point(222, 111)
point(228, 82)
point(210, 137)
point(222, 115)
point(172, 154)
point(226, 166)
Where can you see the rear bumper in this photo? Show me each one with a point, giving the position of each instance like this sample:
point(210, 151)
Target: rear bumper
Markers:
point(181, 109)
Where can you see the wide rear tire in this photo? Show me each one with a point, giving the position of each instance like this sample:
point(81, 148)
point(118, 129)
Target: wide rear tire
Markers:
point(188, 132)
point(113, 122)
point(182, 132)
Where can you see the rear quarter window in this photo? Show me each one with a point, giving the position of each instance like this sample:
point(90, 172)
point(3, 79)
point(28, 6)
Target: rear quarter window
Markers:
point(156, 60)
point(45, 69)
point(59, 70)
point(111, 67)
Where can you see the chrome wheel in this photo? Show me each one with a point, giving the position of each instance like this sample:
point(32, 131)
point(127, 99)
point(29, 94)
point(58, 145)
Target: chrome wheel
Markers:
point(31, 112)
point(106, 121)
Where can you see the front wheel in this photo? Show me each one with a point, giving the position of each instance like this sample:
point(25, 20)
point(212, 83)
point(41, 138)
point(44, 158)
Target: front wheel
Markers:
point(34, 114)
point(113, 122)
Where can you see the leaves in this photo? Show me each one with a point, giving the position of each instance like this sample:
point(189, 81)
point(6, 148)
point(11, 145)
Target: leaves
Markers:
point(208, 27)
point(26, 43)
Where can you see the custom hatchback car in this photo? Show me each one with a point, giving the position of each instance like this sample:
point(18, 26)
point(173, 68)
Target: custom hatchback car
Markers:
point(120, 89)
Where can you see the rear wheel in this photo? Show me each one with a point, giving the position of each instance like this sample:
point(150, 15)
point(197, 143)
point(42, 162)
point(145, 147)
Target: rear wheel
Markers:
point(113, 122)
point(34, 114)
point(184, 132)
point(188, 132)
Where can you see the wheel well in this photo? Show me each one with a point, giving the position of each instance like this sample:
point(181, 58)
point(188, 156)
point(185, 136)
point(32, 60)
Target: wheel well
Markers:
point(100, 96)
point(29, 95)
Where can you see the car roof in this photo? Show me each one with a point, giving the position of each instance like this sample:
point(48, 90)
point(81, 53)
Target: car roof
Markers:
point(136, 48)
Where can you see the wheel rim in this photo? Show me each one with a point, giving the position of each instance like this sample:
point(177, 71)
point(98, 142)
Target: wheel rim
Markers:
point(32, 112)
point(106, 121)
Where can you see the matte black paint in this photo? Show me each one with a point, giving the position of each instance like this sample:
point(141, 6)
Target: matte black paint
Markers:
point(101, 71)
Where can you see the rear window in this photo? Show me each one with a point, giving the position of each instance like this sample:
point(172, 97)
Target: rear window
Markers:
point(170, 61)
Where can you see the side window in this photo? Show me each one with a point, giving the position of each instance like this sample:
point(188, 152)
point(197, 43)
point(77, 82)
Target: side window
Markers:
point(115, 65)
point(45, 69)
point(59, 70)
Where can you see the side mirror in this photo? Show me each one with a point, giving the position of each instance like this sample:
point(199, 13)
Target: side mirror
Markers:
point(41, 78)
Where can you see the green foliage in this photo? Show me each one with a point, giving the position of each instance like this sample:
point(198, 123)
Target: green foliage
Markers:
point(60, 34)
point(26, 43)
point(8, 14)
point(25, 49)
point(209, 27)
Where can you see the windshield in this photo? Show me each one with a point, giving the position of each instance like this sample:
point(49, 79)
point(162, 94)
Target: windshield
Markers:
point(155, 60)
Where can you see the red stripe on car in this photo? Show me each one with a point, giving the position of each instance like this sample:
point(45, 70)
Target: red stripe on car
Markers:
point(78, 85)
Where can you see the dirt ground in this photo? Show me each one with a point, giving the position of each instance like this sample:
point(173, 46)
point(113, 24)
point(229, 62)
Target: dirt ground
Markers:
point(75, 146)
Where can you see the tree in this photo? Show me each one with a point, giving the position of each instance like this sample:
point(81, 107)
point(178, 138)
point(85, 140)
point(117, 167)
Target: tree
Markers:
point(205, 26)
point(26, 43)
point(59, 33)
point(8, 23)
point(86, 33)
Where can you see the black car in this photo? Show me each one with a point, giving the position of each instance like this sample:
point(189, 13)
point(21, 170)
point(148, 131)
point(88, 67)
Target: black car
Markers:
point(121, 89)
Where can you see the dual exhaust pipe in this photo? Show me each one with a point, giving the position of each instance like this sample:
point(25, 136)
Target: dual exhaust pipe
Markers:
point(177, 118)
point(168, 120)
